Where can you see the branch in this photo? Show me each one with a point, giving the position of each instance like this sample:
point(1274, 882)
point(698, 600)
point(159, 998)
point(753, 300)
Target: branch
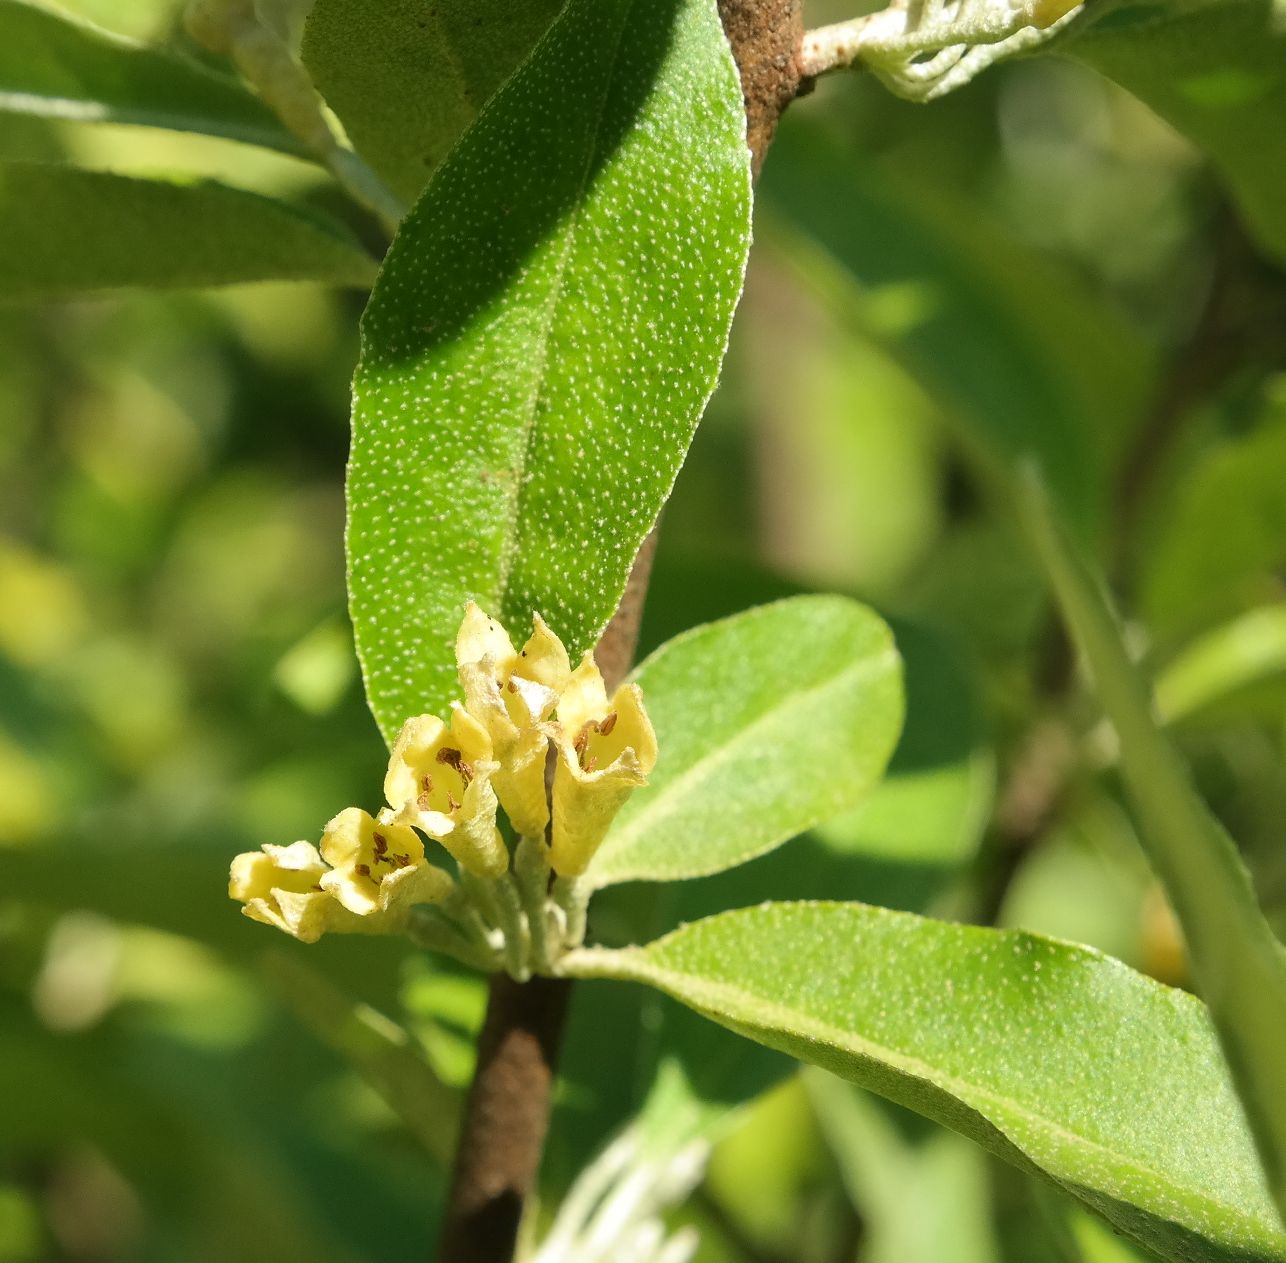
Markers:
point(507, 1111)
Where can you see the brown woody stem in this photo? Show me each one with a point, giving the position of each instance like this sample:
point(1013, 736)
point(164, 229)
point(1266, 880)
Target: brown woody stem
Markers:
point(507, 1111)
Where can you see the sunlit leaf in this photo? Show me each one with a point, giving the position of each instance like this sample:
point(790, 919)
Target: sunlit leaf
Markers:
point(768, 722)
point(1237, 655)
point(542, 340)
point(1052, 1056)
point(68, 231)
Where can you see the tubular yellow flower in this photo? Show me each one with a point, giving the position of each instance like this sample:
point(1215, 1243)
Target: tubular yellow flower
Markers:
point(511, 693)
point(378, 867)
point(605, 751)
point(281, 886)
point(439, 780)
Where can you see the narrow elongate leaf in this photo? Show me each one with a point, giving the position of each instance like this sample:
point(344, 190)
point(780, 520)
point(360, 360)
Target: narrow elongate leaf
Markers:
point(406, 77)
point(59, 66)
point(68, 231)
point(542, 339)
point(1216, 73)
point(768, 722)
point(1240, 967)
point(1052, 1056)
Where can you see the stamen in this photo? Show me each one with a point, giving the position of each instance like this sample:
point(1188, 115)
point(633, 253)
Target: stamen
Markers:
point(601, 726)
point(454, 759)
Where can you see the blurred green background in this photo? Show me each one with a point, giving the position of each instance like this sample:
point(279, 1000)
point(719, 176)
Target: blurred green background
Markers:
point(178, 684)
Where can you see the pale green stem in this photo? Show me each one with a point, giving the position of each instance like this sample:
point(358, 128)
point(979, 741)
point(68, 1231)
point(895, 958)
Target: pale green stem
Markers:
point(233, 29)
point(531, 871)
point(497, 898)
point(361, 183)
point(429, 927)
point(514, 924)
point(464, 913)
point(1239, 965)
point(572, 896)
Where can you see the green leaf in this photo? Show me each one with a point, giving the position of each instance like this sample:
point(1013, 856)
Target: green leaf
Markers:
point(68, 231)
point(542, 340)
point(1216, 73)
point(908, 837)
point(767, 723)
point(406, 78)
point(1235, 656)
point(58, 66)
point(1224, 538)
point(994, 334)
point(1239, 966)
point(1052, 1056)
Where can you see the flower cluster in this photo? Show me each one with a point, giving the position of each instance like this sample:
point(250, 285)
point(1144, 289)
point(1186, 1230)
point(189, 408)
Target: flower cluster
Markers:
point(445, 782)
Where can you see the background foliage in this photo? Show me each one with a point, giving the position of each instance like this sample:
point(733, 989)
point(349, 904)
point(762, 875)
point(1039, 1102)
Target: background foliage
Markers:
point(178, 680)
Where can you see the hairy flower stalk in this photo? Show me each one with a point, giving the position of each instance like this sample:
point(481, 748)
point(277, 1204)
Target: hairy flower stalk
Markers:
point(516, 908)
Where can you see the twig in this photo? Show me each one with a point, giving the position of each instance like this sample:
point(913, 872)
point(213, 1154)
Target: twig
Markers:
point(506, 1116)
point(924, 50)
point(232, 28)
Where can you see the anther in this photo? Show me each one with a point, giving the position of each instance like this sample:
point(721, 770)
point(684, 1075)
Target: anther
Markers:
point(454, 759)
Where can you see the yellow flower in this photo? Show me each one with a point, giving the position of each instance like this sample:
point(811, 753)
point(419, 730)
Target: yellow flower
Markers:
point(439, 780)
point(605, 751)
point(281, 886)
point(378, 867)
point(511, 693)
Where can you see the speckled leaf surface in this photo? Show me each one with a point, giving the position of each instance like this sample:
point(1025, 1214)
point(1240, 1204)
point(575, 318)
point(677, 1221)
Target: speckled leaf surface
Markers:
point(768, 722)
point(406, 77)
point(1053, 1056)
point(1216, 73)
point(58, 66)
point(68, 231)
point(542, 339)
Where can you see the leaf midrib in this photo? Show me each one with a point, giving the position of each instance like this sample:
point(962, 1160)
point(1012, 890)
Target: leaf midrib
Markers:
point(509, 551)
point(858, 672)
